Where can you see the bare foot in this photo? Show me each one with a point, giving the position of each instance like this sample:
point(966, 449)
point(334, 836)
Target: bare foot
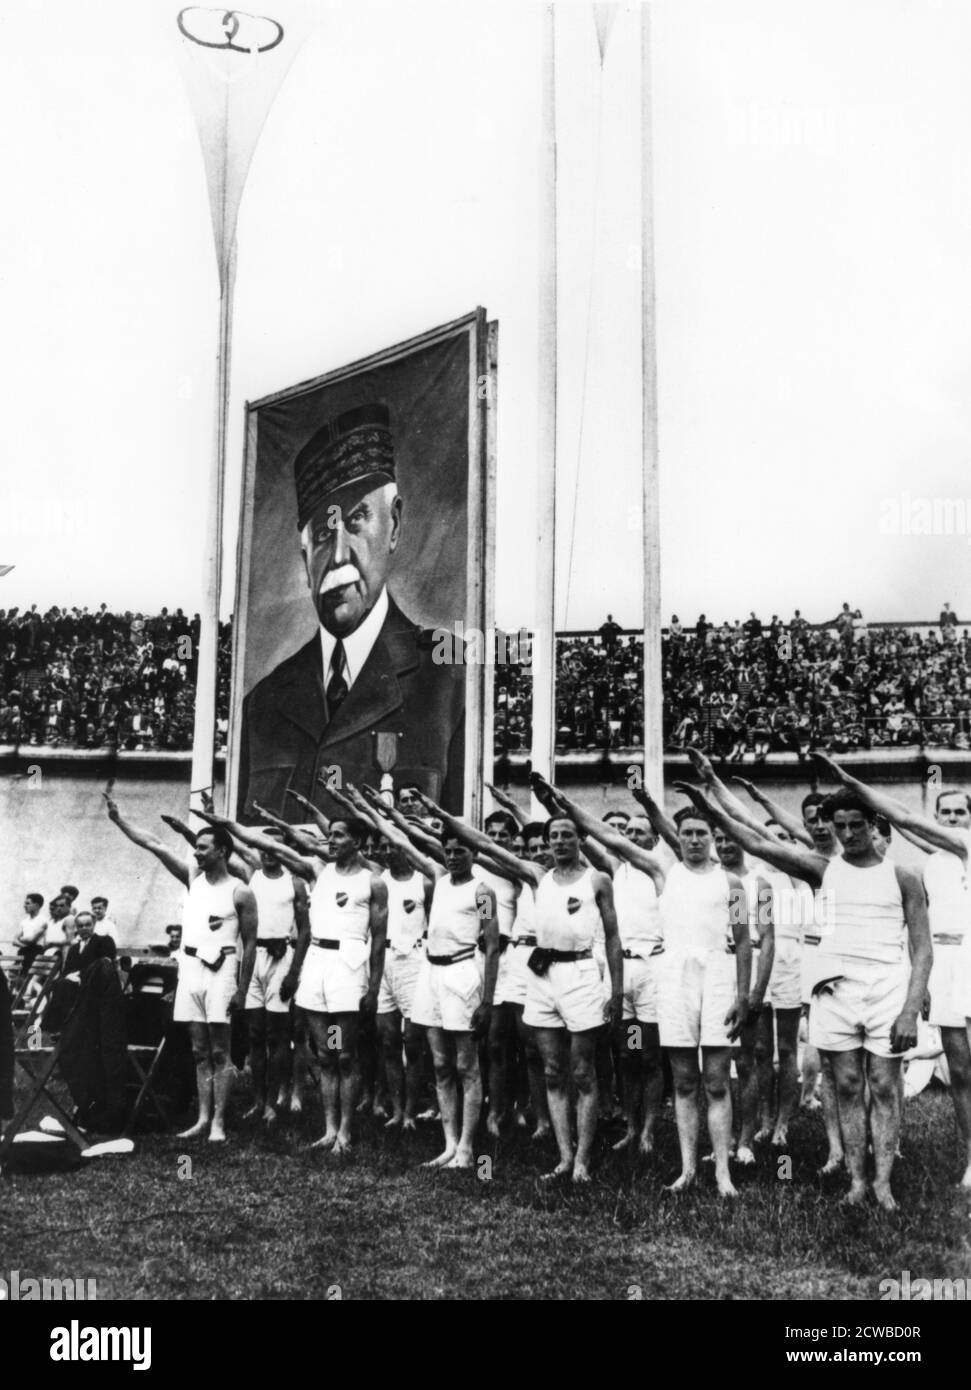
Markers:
point(253, 1111)
point(542, 1131)
point(431, 1114)
point(564, 1166)
point(646, 1146)
point(764, 1134)
point(365, 1104)
point(744, 1156)
point(726, 1187)
point(281, 1101)
point(296, 1105)
point(832, 1165)
point(269, 1116)
point(197, 1130)
point(885, 1198)
point(342, 1145)
point(492, 1125)
point(624, 1143)
point(966, 1180)
point(811, 1103)
point(581, 1173)
point(395, 1121)
point(781, 1137)
point(464, 1158)
point(378, 1110)
point(217, 1135)
point(681, 1184)
point(443, 1159)
point(521, 1120)
point(856, 1195)
point(408, 1125)
point(327, 1140)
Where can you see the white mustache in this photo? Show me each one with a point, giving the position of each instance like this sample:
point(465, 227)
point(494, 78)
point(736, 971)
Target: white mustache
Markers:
point(336, 579)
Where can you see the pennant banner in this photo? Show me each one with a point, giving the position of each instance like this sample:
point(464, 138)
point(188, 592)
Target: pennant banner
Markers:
point(233, 64)
point(604, 18)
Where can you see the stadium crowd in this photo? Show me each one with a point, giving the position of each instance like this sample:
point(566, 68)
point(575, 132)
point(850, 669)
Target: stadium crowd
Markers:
point(758, 688)
point(73, 678)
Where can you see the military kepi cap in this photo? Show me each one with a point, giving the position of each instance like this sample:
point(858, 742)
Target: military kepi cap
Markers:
point(352, 447)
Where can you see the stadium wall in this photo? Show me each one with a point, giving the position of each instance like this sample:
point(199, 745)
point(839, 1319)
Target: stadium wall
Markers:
point(55, 831)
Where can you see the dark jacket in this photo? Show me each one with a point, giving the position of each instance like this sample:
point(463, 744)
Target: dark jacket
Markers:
point(402, 693)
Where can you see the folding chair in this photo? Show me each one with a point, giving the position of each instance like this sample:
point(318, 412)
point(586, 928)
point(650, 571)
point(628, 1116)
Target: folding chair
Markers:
point(45, 1060)
point(152, 986)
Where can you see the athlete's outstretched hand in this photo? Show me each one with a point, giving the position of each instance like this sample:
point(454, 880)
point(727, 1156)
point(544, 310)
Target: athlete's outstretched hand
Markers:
point(702, 764)
point(111, 806)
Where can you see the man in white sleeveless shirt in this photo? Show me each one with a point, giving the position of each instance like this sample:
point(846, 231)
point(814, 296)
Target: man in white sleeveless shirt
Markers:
point(565, 998)
point(453, 1000)
point(281, 900)
point(703, 991)
point(948, 839)
point(756, 1039)
point(339, 961)
point(637, 876)
point(864, 1012)
point(409, 903)
point(220, 914)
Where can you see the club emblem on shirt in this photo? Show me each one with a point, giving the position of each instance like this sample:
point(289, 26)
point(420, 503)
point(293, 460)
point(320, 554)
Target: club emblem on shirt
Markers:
point(215, 923)
point(341, 899)
point(572, 905)
point(409, 904)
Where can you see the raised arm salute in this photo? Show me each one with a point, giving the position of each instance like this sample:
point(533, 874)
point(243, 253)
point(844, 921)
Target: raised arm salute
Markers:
point(949, 914)
point(638, 878)
point(220, 914)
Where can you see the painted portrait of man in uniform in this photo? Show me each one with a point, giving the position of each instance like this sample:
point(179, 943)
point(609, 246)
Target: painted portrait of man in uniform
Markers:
point(365, 508)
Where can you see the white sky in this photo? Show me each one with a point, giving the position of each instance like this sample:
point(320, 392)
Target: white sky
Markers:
point(813, 219)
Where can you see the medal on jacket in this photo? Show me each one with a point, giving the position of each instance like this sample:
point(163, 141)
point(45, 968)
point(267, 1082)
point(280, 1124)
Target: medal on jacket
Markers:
point(386, 755)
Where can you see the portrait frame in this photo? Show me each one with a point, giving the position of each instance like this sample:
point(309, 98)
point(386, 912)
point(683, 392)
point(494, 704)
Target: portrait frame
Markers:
point(480, 360)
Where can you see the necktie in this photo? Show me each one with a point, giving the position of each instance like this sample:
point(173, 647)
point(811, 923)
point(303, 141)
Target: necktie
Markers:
point(336, 684)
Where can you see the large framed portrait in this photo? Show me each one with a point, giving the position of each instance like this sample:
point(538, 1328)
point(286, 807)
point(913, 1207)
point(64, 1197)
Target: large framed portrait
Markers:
point(365, 559)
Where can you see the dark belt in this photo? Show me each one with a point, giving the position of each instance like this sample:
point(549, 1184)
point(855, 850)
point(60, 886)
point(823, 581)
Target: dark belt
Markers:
point(656, 950)
point(467, 954)
point(210, 965)
point(948, 938)
point(524, 941)
point(326, 943)
point(504, 942)
point(275, 946)
point(543, 957)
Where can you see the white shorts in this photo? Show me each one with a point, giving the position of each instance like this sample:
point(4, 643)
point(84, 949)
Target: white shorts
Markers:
point(446, 996)
point(640, 988)
point(570, 995)
point(694, 997)
point(950, 986)
point(203, 995)
point(397, 990)
point(330, 983)
point(268, 975)
point(514, 972)
point(785, 984)
point(860, 1011)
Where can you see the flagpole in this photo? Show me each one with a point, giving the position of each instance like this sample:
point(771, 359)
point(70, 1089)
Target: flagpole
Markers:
point(653, 695)
point(207, 657)
point(544, 630)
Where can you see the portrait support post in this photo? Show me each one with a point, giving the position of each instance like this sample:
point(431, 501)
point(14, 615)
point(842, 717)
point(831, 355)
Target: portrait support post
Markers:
point(653, 695)
point(544, 636)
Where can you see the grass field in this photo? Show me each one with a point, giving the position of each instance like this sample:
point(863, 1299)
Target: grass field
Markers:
point(264, 1218)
